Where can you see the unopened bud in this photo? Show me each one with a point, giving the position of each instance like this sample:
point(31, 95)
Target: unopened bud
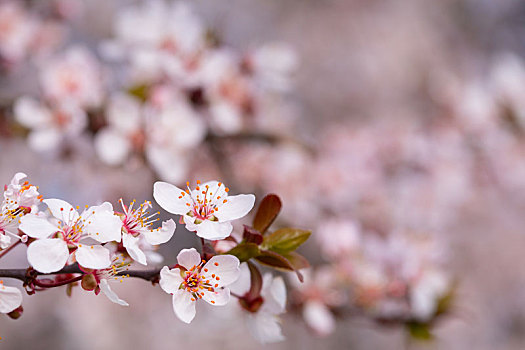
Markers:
point(252, 305)
point(89, 282)
point(16, 313)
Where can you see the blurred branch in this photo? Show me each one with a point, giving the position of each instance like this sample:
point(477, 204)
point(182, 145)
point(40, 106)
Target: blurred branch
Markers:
point(28, 275)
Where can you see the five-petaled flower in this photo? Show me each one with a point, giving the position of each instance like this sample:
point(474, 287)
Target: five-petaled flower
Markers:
point(137, 224)
point(72, 233)
point(207, 209)
point(197, 279)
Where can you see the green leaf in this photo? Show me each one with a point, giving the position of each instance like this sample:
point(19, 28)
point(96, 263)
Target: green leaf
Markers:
point(244, 251)
point(420, 331)
point(297, 260)
point(268, 210)
point(277, 261)
point(285, 240)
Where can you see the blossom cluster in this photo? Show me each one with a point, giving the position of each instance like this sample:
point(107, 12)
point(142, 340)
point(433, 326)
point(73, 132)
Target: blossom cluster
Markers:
point(153, 94)
point(98, 245)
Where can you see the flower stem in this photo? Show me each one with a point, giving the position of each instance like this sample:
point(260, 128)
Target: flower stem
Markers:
point(56, 284)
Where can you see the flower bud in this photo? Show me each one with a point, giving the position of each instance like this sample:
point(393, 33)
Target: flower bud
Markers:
point(16, 313)
point(89, 282)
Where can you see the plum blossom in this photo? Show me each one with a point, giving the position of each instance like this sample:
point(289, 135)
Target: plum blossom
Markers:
point(71, 233)
point(264, 323)
point(197, 279)
point(102, 278)
point(171, 36)
point(10, 298)
point(17, 30)
point(19, 199)
point(137, 225)
point(74, 76)
point(207, 209)
point(50, 126)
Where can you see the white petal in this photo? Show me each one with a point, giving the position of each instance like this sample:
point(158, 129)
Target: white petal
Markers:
point(274, 294)
point(319, 318)
point(218, 298)
point(103, 226)
point(106, 289)
point(31, 113)
point(37, 226)
point(124, 112)
point(265, 327)
point(226, 267)
point(161, 235)
point(111, 146)
point(170, 280)
point(243, 283)
point(214, 230)
point(62, 210)
point(93, 257)
point(236, 207)
point(167, 196)
point(48, 255)
point(183, 306)
point(132, 247)
point(44, 140)
point(189, 258)
point(10, 298)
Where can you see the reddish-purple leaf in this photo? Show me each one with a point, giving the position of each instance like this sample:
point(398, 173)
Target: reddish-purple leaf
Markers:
point(268, 210)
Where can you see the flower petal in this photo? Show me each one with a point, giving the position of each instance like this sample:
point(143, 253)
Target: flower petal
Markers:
point(112, 147)
point(265, 327)
point(225, 268)
point(132, 247)
point(274, 294)
point(102, 224)
point(106, 289)
point(319, 318)
point(48, 255)
point(167, 196)
point(189, 258)
point(243, 283)
point(61, 210)
point(214, 230)
point(218, 298)
point(162, 234)
point(170, 280)
point(10, 298)
point(236, 207)
point(93, 257)
point(37, 226)
point(184, 306)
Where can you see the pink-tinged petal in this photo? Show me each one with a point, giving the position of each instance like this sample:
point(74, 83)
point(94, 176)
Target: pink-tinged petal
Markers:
point(224, 267)
point(167, 196)
point(319, 318)
point(265, 327)
point(37, 226)
point(214, 230)
point(184, 306)
point(106, 289)
point(161, 235)
point(10, 298)
point(112, 147)
point(48, 255)
point(45, 140)
point(236, 207)
point(103, 226)
point(274, 294)
point(170, 280)
point(61, 210)
point(242, 285)
point(93, 256)
point(5, 241)
point(189, 258)
point(132, 247)
point(218, 298)
point(31, 113)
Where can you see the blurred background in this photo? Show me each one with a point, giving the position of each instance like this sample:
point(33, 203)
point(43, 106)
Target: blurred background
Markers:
point(394, 130)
